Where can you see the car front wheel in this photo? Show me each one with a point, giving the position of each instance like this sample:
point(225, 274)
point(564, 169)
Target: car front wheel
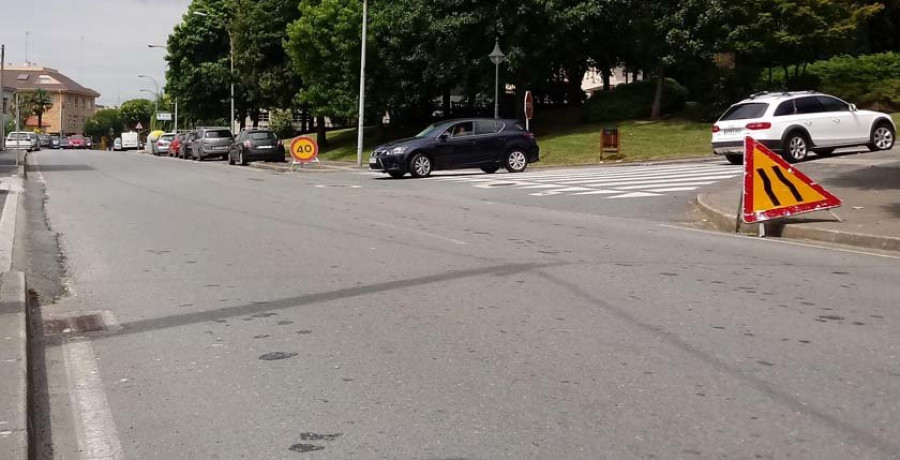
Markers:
point(882, 138)
point(420, 165)
point(516, 161)
point(796, 147)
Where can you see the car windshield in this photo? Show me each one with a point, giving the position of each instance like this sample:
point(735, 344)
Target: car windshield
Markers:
point(168, 137)
point(262, 135)
point(745, 111)
point(77, 138)
point(430, 130)
point(218, 134)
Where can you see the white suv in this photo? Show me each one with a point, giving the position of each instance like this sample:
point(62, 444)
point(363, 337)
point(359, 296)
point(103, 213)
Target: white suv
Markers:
point(796, 123)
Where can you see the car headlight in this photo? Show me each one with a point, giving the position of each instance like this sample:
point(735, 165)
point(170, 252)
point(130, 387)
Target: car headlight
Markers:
point(398, 150)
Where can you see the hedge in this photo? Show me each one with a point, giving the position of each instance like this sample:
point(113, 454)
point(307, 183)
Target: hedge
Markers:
point(634, 101)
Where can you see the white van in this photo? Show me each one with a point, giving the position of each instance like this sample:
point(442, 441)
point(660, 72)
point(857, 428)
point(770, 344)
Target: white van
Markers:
point(130, 141)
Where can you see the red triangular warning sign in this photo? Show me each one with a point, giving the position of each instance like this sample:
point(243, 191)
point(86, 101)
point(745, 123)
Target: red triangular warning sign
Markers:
point(773, 188)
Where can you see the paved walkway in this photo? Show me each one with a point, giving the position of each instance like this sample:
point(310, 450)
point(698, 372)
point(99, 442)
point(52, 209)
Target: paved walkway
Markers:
point(867, 183)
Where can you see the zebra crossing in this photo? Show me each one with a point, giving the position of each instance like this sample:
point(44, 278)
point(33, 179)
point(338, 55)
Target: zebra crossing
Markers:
point(607, 182)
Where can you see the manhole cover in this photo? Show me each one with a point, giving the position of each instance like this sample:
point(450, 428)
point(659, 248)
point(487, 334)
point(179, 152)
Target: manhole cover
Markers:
point(337, 186)
point(74, 324)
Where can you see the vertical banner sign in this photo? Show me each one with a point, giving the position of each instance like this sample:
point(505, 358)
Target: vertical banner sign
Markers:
point(529, 110)
point(304, 150)
point(773, 188)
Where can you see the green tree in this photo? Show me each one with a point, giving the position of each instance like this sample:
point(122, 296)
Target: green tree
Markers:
point(323, 45)
point(259, 28)
point(103, 123)
point(38, 102)
point(137, 111)
point(281, 121)
point(199, 61)
point(792, 33)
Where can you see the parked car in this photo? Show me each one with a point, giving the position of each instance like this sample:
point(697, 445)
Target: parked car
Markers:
point(77, 142)
point(45, 140)
point(211, 142)
point(255, 145)
point(21, 140)
point(54, 141)
point(483, 143)
point(131, 141)
point(161, 146)
point(117, 144)
point(795, 123)
point(175, 145)
point(186, 146)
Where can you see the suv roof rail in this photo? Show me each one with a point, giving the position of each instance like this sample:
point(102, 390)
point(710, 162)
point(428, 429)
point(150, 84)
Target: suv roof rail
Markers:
point(756, 95)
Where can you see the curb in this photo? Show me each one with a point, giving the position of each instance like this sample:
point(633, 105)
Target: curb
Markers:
point(785, 229)
point(14, 419)
point(287, 168)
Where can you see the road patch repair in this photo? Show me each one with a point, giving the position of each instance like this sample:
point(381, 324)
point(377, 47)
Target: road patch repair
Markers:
point(866, 184)
point(14, 416)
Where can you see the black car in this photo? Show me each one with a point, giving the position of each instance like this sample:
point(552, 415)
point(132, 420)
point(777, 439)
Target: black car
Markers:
point(255, 145)
point(211, 142)
point(483, 143)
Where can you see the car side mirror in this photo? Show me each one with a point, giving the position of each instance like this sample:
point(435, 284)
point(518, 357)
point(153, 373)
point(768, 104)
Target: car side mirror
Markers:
point(853, 108)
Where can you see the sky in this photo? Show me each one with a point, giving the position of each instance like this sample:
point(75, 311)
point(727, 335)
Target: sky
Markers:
point(101, 44)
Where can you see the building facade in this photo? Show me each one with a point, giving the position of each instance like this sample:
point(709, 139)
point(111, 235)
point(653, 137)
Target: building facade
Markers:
point(73, 104)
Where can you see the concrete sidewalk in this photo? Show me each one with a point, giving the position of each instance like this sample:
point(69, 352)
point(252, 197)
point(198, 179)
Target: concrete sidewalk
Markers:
point(867, 183)
point(14, 421)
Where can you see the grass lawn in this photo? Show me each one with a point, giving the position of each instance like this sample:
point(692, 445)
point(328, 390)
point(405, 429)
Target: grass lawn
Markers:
point(639, 141)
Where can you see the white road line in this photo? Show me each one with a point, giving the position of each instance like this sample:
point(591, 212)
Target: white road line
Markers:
point(629, 172)
point(650, 176)
point(682, 184)
point(614, 183)
point(637, 176)
point(97, 435)
point(634, 195)
point(672, 189)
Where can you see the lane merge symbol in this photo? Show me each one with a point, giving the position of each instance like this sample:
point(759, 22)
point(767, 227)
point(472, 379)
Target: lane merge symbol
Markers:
point(773, 188)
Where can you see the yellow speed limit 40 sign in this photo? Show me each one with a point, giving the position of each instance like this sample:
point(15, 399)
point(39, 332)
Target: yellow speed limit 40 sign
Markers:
point(304, 149)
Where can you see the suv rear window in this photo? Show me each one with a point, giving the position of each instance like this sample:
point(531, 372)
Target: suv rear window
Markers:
point(217, 134)
point(168, 137)
point(745, 111)
point(262, 135)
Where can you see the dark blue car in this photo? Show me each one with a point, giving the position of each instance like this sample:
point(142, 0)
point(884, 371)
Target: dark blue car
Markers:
point(483, 143)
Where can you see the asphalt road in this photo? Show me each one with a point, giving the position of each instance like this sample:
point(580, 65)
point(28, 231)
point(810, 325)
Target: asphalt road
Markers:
point(339, 315)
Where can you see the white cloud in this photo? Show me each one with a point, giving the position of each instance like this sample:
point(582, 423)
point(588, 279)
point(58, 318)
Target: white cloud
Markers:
point(102, 44)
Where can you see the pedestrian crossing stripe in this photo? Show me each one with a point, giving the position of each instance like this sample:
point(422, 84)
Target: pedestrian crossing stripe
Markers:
point(773, 188)
point(606, 182)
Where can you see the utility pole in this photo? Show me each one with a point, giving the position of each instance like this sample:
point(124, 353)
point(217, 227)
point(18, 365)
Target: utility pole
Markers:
point(2, 99)
point(362, 88)
point(176, 117)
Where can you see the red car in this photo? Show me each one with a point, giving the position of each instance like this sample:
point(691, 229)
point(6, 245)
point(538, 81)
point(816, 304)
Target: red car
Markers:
point(77, 142)
point(175, 145)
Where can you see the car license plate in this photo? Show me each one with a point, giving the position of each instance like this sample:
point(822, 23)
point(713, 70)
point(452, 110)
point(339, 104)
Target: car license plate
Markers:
point(731, 131)
point(221, 147)
point(373, 161)
point(265, 146)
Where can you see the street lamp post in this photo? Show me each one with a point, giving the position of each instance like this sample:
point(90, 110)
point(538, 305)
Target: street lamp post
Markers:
point(155, 105)
point(362, 87)
point(151, 45)
point(155, 99)
point(497, 57)
point(231, 55)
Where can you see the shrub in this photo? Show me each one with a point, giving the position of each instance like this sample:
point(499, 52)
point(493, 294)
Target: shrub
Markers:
point(281, 123)
point(871, 81)
point(634, 101)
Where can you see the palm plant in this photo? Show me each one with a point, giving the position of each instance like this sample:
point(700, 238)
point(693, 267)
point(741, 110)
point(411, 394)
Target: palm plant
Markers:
point(38, 103)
